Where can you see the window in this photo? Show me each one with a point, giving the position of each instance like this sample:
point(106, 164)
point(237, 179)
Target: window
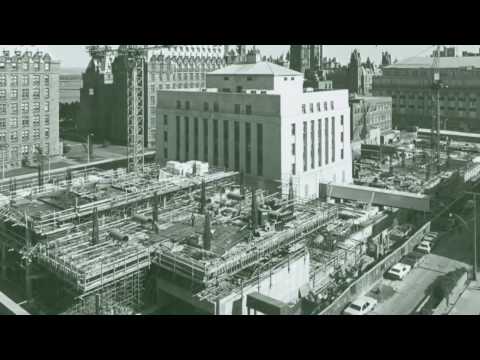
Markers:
point(14, 94)
point(187, 137)
point(187, 105)
point(3, 94)
point(36, 134)
point(312, 144)
point(179, 104)
point(249, 78)
point(47, 66)
point(293, 149)
point(326, 142)
point(294, 169)
point(319, 145)
point(341, 137)
point(260, 149)
point(165, 136)
point(248, 109)
point(293, 129)
point(205, 106)
point(3, 109)
point(236, 136)
point(14, 80)
point(36, 80)
point(177, 144)
point(319, 107)
point(332, 107)
point(3, 80)
point(25, 107)
point(24, 150)
point(25, 65)
point(3, 123)
point(341, 120)
point(36, 120)
point(47, 107)
point(47, 80)
point(325, 106)
point(25, 135)
point(304, 109)
point(311, 108)
point(305, 130)
point(36, 106)
point(341, 157)
point(215, 142)
point(14, 122)
point(14, 136)
point(205, 140)
point(25, 80)
point(333, 139)
point(285, 79)
point(36, 93)
point(195, 138)
point(226, 78)
point(248, 148)
point(3, 137)
point(216, 107)
point(225, 143)
point(25, 121)
point(25, 93)
point(237, 108)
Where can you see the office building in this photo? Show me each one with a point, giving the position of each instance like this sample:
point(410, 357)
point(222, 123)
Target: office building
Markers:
point(103, 96)
point(368, 112)
point(409, 82)
point(257, 118)
point(29, 101)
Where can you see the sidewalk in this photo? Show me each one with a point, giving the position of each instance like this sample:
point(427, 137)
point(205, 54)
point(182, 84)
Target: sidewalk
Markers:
point(469, 301)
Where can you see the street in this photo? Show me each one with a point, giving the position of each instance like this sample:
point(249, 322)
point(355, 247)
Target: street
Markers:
point(453, 250)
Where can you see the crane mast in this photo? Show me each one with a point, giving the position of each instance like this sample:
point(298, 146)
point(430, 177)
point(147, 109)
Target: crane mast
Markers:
point(134, 58)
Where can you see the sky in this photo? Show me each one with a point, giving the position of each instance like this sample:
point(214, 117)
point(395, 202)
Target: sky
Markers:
point(77, 56)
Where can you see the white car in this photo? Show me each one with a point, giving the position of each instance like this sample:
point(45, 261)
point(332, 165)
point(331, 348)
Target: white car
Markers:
point(399, 271)
point(425, 247)
point(361, 306)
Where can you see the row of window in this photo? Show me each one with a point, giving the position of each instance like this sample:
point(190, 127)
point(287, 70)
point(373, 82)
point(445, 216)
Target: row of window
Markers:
point(167, 76)
point(215, 144)
point(25, 107)
point(25, 66)
point(25, 135)
point(13, 121)
point(449, 108)
point(216, 108)
point(25, 93)
point(25, 80)
point(26, 150)
point(318, 107)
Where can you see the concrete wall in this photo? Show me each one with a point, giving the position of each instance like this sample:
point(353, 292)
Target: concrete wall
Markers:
point(365, 282)
point(284, 285)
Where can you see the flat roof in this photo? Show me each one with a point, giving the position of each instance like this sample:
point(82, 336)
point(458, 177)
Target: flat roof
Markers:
point(453, 133)
point(259, 68)
point(444, 62)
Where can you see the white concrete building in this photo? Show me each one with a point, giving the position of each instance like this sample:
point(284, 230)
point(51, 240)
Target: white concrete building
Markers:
point(257, 118)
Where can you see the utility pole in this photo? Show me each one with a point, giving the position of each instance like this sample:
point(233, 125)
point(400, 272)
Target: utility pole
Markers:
point(474, 234)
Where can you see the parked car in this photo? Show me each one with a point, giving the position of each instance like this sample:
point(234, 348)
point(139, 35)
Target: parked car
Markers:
point(431, 238)
point(413, 259)
point(425, 247)
point(361, 306)
point(399, 271)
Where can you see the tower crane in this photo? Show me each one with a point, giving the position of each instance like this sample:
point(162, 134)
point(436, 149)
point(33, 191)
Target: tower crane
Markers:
point(134, 57)
point(437, 85)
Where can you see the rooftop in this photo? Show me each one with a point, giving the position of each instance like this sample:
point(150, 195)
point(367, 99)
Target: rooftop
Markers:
point(444, 62)
point(260, 68)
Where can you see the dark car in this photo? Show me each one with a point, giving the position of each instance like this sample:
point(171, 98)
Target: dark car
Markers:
point(413, 259)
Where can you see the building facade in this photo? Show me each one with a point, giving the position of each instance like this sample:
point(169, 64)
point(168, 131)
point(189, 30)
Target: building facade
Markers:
point(29, 107)
point(103, 96)
point(368, 112)
point(70, 85)
point(409, 84)
point(306, 57)
point(360, 75)
point(256, 118)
